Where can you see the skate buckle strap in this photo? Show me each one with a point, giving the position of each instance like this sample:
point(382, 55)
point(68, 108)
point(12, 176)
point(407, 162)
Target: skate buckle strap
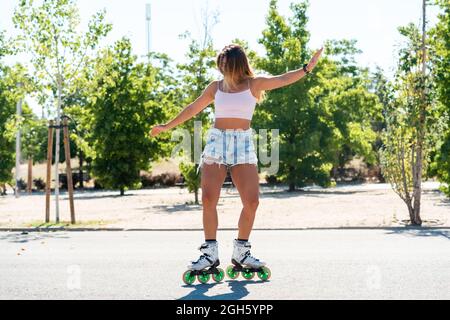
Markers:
point(205, 246)
point(247, 255)
point(204, 256)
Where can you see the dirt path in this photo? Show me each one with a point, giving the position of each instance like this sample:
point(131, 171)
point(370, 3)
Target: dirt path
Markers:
point(366, 205)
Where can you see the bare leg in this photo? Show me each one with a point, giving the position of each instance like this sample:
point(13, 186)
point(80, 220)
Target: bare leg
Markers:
point(213, 177)
point(245, 177)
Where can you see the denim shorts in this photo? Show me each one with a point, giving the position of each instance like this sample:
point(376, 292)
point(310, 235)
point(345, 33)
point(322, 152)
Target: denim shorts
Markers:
point(229, 147)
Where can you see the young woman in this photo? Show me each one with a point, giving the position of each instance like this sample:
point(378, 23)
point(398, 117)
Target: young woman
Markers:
point(230, 144)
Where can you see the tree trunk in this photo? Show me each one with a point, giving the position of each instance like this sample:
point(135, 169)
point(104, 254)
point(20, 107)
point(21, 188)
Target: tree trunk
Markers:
point(30, 175)
point(416, 220)
point(291, 183)
point(18, 148)
point(196, 196)
point(334, 172)
point(122, 191)
point(80, 175)
point(291, 187)
point(410, 211)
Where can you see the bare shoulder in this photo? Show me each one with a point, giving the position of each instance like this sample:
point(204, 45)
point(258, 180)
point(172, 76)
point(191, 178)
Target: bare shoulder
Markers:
point(211, 89)
point(255, 87)
point(257, 82)
point(268, 82)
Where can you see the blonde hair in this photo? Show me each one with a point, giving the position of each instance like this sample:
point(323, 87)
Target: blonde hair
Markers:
point(233, 63)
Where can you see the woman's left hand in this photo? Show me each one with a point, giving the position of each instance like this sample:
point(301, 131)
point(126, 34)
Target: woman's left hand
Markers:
point(314, 60)
point(158, 129)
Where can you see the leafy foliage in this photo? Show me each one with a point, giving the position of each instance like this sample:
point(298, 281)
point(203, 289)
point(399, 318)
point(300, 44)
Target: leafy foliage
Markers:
point(195, 77)
point(126, 99)
point(440, 56)
point(324, 119)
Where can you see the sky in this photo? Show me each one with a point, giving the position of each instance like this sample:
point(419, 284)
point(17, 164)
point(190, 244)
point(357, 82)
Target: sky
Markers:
point(373, 23)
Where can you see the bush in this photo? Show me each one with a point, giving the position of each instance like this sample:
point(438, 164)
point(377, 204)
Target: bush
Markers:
point(192, 179)
point(22, 184)
point(147, 180)
point(164, 179)
point(97, 185)
point(2, 190)
point(76, 178)
point(63, 180)
point(39, 183)
point(169, 179)
point(271, 179)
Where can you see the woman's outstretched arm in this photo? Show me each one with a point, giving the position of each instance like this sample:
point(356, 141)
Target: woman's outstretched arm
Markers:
point(204, 100)
point(285, 79)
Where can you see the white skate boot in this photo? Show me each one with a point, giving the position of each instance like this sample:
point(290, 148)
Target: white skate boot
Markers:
point(210, 255)
point(245, 263)
point(209, 259)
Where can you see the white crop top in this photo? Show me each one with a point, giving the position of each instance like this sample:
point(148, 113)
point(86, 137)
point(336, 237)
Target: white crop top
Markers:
point(234, 104)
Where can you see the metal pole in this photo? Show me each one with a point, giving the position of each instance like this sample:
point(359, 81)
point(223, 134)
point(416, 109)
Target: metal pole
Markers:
point(424, 35)
point(68, 170)
point(148, 17)
point(30, 175)
point(58, 123)
point(48, 185)
point(18, 137)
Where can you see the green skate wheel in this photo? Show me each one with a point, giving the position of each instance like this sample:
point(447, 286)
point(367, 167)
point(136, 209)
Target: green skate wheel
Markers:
point(217, 277)
point(264, 274)
point(247, 274)
point(188, 277)
point(203, 277)
point(231, 273)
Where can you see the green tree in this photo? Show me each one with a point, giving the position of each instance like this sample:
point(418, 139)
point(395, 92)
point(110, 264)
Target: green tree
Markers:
point(14, 85)
point(195, 77)
point(326, 117)
point(49, 32)
point(126, 100)
point(34, 141)
point(440, 56)
point(383, 88)
point(412, 125)
point(7, 111)
point(351, 109)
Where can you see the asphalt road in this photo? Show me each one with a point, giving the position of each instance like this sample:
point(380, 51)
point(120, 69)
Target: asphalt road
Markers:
point(305, 264)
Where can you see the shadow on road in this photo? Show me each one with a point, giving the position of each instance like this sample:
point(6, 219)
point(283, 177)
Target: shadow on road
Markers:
point(308, 193)
point(20, 237)
point(96, 196)
point(238, 291)
point(172, 208)
point(421, 232)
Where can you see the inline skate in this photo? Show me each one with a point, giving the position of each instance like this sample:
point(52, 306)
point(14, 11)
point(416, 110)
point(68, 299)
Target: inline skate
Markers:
point(206, 265)
point(243, 262)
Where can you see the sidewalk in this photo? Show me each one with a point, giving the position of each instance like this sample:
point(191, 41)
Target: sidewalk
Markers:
point(362, 206)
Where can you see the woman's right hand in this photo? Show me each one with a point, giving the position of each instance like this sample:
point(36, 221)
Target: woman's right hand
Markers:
point(158, 129)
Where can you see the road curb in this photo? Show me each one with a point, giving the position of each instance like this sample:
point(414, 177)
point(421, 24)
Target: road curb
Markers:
point(55, 229)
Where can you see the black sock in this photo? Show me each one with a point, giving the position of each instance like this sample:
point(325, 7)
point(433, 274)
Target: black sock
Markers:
point(210, 240)
point(242, 240)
